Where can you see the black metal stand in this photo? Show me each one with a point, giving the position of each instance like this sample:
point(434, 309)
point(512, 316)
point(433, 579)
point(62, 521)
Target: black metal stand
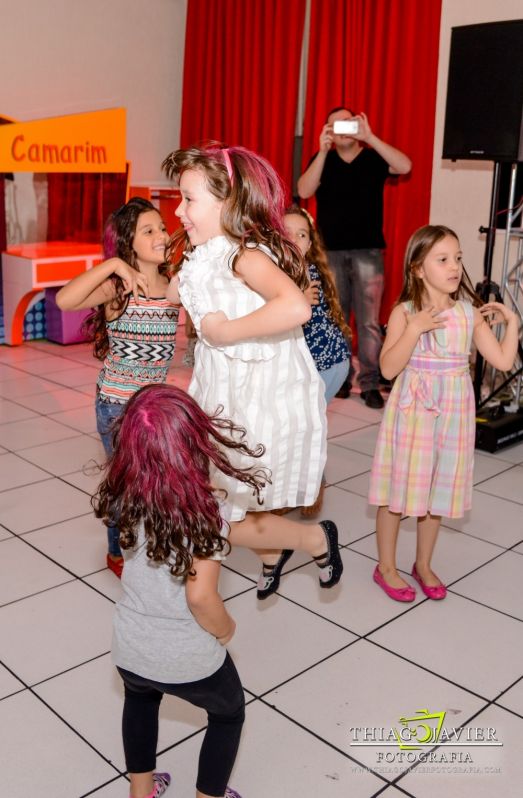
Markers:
point(487, 287)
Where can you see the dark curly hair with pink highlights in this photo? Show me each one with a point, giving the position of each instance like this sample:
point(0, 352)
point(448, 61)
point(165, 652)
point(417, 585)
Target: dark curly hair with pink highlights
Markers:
point(118, 238)
point(253, 202)
point(160, 475)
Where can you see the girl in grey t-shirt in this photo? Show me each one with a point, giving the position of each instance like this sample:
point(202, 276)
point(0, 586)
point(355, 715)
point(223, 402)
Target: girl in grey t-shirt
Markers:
point(171, 626)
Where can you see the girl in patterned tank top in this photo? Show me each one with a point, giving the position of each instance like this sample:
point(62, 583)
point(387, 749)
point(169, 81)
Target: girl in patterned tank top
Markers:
point(133, 323)
point(424, 454)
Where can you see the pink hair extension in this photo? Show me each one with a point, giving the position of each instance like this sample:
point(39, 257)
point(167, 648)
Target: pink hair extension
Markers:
point(228, 165)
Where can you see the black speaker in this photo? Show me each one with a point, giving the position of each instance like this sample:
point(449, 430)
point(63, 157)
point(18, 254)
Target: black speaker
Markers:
point(484, 113)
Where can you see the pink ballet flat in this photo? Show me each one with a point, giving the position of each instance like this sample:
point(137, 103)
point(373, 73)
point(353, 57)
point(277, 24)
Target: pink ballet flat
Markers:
point(405, 594)
point(435, 593)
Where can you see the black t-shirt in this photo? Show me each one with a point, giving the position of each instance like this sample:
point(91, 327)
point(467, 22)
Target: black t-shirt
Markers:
point(350, 201)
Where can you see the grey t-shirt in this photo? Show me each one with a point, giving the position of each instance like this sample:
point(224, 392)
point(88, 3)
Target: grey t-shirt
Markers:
point(155, 634)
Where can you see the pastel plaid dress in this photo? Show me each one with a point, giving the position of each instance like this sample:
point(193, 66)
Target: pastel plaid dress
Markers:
point(424, 455)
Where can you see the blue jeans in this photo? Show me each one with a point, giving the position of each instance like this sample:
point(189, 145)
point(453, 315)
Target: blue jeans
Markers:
point(334, 377)
point(359, 279)
point(106, 414)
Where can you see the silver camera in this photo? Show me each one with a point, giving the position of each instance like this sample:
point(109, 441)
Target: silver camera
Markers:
point(345, 127)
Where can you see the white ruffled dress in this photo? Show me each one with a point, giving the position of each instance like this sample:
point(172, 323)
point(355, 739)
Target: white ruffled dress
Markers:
point(269, 386)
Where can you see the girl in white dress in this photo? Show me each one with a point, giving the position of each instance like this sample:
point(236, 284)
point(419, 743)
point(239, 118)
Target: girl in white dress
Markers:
point(251, 360)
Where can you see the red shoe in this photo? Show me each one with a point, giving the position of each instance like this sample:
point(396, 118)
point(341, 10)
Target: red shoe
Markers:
point(115, 565)
point(435, 593)
point(406, 594)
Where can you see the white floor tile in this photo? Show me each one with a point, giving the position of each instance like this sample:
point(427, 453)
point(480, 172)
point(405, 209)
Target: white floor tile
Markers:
point(45, 757)
point(261, 626)
point(80, 545)
point(363, 440)
point(497, 584)
point(486, 467)
point(508, 485)
point(294, 764)
point(512, 454)
point(15, 472)
point(358, 484)
point(39, 572)
point(344, 463)
point(9, 412)
point(20, 354)
point(25, 386)
point(491, 518)
point(9, 684)
point(66, 626)
point(340, 424)
point(106, 583)
point(33, 432)
point(48, 365)
point(4, 533)
point(373, 689)
point(494, 771)
point(90, 476)
point(67, 456)
point(56, 400)
point(36, 506)
point(81, 418)
point(450, 637)
point(513, 698)
point(79, 375)
point(356, 408)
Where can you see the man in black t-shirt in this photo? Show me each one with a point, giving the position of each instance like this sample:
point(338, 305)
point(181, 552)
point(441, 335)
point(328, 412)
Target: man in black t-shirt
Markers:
point(348, 175)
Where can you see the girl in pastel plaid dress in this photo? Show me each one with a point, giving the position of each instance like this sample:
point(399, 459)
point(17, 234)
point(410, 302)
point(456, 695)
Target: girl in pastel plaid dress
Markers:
point(424, 454)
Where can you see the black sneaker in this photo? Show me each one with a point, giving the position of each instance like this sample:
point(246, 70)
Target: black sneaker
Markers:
point(373, 398)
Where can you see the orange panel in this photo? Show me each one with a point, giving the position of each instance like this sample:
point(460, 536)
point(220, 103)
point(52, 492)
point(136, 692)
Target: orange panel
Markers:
point(63, 271)
point(53, 249)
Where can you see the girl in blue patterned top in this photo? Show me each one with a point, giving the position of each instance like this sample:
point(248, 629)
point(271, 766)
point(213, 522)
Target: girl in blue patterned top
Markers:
point(133, 323)
point(326, 333)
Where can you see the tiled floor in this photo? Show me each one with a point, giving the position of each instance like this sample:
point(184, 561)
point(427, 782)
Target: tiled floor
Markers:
point(315, 666)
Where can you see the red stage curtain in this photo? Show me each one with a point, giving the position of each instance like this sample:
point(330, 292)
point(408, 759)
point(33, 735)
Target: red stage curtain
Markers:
point(381, 57)
point(241, 74)
point(79, 204)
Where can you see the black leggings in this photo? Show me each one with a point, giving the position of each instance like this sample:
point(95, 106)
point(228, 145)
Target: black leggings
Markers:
point(221, 695)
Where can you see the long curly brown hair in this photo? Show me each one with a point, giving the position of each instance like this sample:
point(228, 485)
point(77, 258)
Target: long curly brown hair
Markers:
point(253, 202)
point(419, 246)
point(159, 475)
point(316, 255)
point(118, 238)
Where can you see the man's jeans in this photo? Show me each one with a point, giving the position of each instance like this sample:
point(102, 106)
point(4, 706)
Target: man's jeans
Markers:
point(359, 279)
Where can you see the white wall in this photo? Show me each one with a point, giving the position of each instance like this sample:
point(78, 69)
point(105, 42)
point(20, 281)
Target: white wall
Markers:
point(461, 191)
point(69, 56)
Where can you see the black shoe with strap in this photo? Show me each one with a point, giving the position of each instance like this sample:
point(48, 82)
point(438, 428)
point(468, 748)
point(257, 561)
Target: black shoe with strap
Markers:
point(269, 580)
point(330, 563)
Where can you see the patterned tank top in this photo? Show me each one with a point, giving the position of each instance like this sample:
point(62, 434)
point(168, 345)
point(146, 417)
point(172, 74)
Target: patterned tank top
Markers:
point(141, 347)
